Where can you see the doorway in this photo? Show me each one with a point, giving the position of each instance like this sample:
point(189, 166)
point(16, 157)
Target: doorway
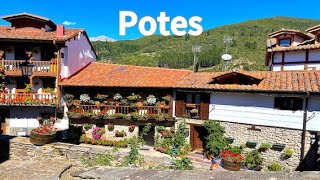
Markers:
point(198, 136)
point(4, 113)
point(149, 138)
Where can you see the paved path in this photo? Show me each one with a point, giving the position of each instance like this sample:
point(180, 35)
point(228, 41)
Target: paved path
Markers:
point(137, 174)
point(33, 170)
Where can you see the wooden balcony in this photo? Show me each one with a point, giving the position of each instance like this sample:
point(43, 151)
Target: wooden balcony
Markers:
point(160, 113)
point(27, 99)
point(41, 68)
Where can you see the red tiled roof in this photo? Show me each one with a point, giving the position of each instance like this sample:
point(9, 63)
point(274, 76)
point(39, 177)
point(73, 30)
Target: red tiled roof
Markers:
point(30, 33)
point(290, 31)
point(313, 29)
point(115, 75)
point(273, 81)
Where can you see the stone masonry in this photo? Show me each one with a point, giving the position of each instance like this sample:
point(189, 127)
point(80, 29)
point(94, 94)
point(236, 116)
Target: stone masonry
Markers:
point(262, 134)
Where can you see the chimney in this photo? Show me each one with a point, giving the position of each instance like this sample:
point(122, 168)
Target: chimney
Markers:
point(60, 30)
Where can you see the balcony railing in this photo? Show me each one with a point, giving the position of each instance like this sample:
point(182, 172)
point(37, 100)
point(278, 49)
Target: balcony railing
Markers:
point(39, 66)
point(120, 112)
point(192, 110)
point(27, 99)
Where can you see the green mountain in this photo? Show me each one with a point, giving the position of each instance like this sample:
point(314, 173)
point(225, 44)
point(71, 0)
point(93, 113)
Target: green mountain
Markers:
point(248, 48)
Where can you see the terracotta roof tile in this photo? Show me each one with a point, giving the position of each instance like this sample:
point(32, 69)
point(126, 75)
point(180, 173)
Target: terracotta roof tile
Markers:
point(272, 81)
point(6, 32)
point(115, 75)
point(299, 47)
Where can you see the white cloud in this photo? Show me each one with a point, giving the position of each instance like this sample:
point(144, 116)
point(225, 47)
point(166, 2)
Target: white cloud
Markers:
point(69, 23)
point(102, 38)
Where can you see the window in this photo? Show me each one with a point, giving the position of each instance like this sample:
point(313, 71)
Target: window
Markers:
point(318, 39)
point(288, 103)
point(285, 42)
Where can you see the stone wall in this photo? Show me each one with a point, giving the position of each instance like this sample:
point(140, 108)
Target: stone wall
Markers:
point(263, 134)
point(21, 149)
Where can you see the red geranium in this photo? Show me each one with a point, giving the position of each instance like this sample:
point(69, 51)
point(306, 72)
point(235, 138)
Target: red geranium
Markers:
point(232, 156)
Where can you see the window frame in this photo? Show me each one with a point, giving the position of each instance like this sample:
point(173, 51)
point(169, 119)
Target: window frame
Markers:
point(283, 39)
point(288, 103)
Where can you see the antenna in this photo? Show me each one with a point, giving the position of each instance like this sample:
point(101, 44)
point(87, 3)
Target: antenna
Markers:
point(228, 41)
point(195, 49)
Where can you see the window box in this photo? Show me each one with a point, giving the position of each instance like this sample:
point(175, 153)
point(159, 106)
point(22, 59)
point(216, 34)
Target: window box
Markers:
point(278, 147)
point(251, 144)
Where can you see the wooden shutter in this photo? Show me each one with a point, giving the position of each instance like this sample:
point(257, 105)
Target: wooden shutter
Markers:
point(180, 104)
point(204, 105)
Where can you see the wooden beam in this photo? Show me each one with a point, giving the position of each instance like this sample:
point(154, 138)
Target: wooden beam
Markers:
point(282, 61)
point(307, 60)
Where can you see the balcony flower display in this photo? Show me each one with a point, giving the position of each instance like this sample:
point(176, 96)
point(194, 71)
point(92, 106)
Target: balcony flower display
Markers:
point(110, 126)
point(117, 97)
point(84, 98)
point(166, 98)
point(133, 97)
point(120, 133)
point(131, 128)
point(151, 100)
point(194, 111)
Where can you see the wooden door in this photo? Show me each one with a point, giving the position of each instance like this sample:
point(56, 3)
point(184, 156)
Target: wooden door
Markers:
point(196, 139)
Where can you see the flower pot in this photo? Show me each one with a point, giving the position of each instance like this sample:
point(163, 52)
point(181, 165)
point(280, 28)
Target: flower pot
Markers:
point(230, 140)
point(231, 166)
point(41, 139)
point(278, 147)
point(251, 144)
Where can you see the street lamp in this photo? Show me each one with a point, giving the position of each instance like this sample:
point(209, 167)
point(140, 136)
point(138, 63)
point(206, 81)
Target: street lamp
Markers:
point(27, 67)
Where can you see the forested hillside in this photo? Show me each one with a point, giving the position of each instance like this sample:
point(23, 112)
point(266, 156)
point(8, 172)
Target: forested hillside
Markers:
point(248, 48)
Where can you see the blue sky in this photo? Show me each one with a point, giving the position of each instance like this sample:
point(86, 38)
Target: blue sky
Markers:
point(101, 17)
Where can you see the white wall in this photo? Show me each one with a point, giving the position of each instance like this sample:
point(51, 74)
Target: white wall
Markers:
point(314, 55)
point(297, 40)
point(77, 55)
point(295, 56)
point(24, 119)
point(258, 110)
point(288, 67)
point(277, 57)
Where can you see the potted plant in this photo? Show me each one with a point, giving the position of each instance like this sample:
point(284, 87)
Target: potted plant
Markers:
point(29, 88)
point(76, 102)
point(166, 98)
point(131, 128)
point(138, 104)
point(120, 133)
point(110, 126)
point(117, 97)
point(151, 100)
point(69, 99)
point(101, 97)
point(45, 133)
point(87, 127)
point(232, 158)
point(253, 160)
point(287, 153)
point(264, 147)
point(84, 98)
point(135, 116)
point(97, 133)
point(133, 97)
point(215, 140)
point(194, 112)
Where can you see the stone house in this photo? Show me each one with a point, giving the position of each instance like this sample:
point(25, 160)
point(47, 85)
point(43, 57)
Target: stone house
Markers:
point(53, 53)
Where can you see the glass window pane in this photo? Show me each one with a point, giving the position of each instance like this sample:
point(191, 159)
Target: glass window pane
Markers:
point(285, 42)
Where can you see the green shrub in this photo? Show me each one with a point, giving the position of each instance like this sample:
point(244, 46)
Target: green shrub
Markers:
point(288, 153)
point(180, 135)
point(253, 159)
point(100, 159)
point(215, 141)
point(275, 167)
point(182, 164)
